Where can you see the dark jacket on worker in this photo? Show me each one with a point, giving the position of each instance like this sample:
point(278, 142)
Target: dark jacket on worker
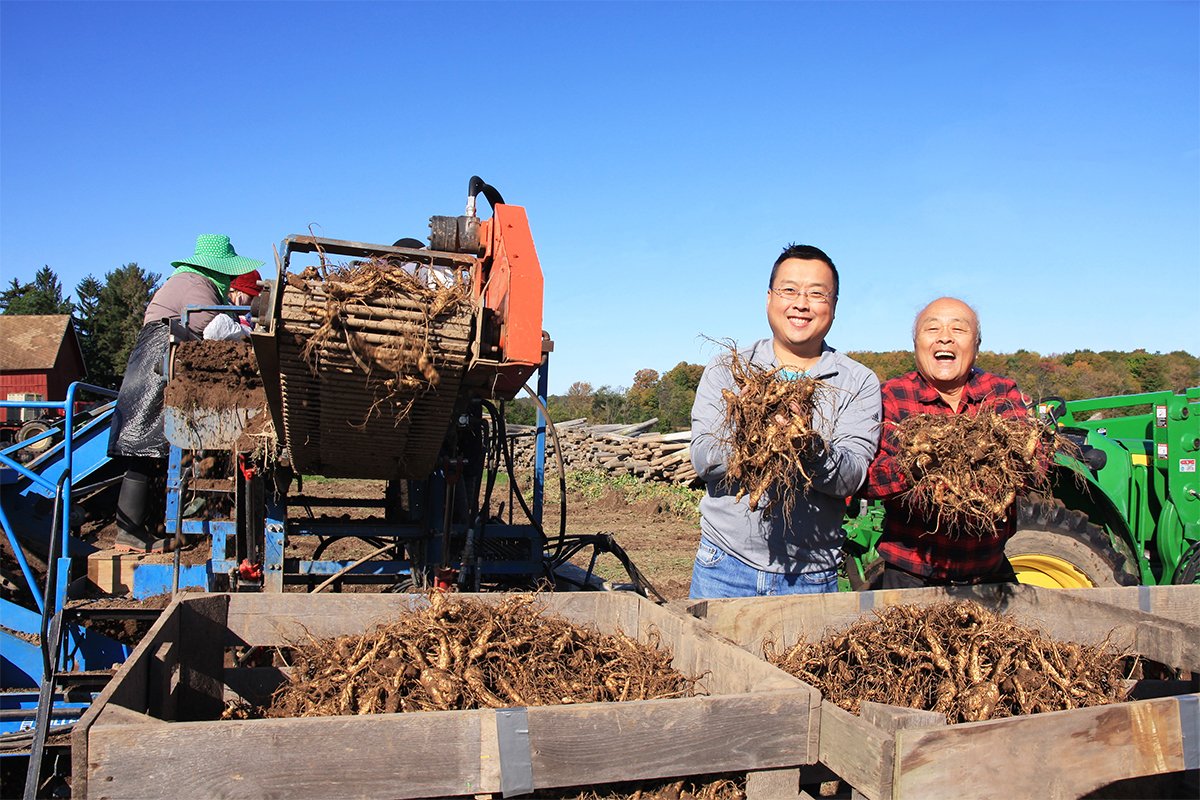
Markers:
point(137, 427)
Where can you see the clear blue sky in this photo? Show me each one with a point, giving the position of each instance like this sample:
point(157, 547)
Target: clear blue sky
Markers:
point(1040, 160)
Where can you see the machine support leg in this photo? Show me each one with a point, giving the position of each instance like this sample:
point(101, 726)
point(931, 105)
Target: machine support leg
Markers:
point(45, 706)
point(539, 459)
point(274, 539)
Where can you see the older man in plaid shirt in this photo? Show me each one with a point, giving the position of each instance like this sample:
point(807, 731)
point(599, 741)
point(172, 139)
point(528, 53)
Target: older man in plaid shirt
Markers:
point(917, 551)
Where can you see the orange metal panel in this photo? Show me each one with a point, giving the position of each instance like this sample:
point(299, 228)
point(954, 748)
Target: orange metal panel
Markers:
point(515, 285)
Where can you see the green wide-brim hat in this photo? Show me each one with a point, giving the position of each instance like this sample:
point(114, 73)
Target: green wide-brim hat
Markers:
point(214, 252)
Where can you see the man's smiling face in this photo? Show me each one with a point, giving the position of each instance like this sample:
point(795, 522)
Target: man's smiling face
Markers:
point(799, 324)
point(945, 343)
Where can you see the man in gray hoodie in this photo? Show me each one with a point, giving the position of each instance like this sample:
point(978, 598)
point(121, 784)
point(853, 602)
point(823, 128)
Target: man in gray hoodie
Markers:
point(746, 551)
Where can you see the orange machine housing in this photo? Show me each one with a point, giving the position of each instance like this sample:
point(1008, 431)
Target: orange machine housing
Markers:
point(509, 290)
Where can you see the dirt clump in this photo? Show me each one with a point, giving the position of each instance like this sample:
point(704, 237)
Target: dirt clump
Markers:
point(707, 787)
point(128, 630)
point(464, 654)
point(215, 374)
point(965, 471)
point(769, 429)
point(956, 658)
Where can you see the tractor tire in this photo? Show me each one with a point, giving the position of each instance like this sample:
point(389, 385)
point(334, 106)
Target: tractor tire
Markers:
point(1188, 570)
point(30, 429)
point(1060, 548)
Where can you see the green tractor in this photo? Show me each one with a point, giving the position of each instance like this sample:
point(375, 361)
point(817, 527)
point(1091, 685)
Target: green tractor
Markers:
point(1124, 510)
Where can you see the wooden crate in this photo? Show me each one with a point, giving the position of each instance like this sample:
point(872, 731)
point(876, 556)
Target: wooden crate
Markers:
point(157, 724)
point(1180, 603)
point(890, 752)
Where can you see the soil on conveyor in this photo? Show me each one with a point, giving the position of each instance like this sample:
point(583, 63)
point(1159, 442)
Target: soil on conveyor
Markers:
point(124, 629)
point(215, 375)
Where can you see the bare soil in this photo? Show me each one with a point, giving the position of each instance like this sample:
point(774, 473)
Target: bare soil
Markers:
point(216, 375)
point(661, 544)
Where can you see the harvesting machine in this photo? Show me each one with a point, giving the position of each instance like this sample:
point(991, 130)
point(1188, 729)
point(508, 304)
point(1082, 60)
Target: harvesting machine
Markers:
point(401, 394)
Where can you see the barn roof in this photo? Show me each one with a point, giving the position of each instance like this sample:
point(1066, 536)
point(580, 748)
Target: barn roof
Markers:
point(33, 341)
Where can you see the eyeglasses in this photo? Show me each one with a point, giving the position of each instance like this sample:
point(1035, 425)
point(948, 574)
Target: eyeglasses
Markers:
point(815, 296)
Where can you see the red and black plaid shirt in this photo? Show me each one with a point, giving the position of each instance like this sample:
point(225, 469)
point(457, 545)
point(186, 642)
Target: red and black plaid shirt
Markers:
point(915, 543)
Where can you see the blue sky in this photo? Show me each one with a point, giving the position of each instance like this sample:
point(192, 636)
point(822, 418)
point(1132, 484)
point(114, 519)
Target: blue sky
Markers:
point(1040, 160)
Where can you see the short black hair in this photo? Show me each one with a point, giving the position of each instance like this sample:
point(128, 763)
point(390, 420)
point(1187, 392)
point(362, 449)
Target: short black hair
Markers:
point(808, 253)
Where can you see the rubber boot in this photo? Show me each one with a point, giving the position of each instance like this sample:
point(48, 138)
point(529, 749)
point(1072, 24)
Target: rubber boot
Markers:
point(132, 506)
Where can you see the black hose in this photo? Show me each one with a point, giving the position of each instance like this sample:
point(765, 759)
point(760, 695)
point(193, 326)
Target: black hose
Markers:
point(605, 543)
point(328, 540)
point(495, 453)
point(562, 469)
point(476, 185)
point(512, 480)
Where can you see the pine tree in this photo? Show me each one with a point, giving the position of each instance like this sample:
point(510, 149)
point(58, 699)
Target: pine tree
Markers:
point(42, 296)
point(117, 320)
point(87, 294)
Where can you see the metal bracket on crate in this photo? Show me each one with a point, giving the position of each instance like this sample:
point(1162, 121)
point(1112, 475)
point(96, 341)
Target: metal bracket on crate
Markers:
point(516, 762)
point(1189, 726)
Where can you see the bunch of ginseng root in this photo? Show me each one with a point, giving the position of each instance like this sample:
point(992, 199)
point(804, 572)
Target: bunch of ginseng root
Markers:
point(771, 433)
point(956, 658)
point(965, 471)
point(462, 653)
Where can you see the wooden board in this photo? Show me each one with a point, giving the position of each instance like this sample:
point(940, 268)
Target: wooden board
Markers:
point(1178, 603)
point(752, 622)
point(1064, 754)
point(890, 752)
point(754, 717)
point(392, 755)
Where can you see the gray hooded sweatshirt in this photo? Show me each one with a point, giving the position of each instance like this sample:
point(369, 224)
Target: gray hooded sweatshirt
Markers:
point(848, 419)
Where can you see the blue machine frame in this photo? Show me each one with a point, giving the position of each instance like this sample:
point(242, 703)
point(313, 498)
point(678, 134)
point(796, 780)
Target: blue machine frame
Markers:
point(53, 475)
point(220, 571)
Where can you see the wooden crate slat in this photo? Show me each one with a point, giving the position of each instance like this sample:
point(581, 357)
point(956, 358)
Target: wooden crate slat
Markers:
point(857, 751)
point(1061, 754)
point(381, 755)
point(665, 739)
point(1178, 603)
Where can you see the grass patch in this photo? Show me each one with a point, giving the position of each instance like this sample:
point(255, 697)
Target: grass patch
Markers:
point(594, 484)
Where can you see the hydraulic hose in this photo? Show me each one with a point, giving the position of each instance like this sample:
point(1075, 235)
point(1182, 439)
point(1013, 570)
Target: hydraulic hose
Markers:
point(562, 470)
point(477, 185)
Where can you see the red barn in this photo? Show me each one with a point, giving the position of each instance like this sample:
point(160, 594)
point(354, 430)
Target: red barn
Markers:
point(40, 357)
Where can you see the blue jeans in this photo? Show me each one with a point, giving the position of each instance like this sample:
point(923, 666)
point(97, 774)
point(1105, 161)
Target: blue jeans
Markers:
point(716, 573)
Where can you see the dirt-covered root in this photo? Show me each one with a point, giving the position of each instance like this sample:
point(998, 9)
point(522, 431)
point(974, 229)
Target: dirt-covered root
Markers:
point(770, 432)
point(385, 313)
point(461, 653)
point(707, 787)
point(956, 658)
point(966, 470)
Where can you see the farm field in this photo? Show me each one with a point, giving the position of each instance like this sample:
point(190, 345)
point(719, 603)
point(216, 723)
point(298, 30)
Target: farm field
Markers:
point(654, 523)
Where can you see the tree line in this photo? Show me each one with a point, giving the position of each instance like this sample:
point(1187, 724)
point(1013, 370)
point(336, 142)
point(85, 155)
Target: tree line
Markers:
point(108, 316)
point(1071, 376)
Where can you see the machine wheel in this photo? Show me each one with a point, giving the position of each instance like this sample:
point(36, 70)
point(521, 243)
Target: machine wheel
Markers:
point(34, 427)
point(1059, 548)
point(1188, 570)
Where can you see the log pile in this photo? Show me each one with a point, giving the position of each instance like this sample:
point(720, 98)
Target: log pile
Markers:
point(616, 449)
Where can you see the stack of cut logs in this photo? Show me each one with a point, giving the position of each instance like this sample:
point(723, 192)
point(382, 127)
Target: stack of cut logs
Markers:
point(616, 449)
